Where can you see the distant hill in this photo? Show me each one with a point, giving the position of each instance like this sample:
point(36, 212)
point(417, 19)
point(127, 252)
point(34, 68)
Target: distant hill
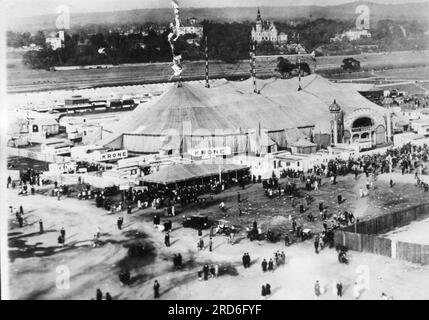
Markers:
point(410, 11)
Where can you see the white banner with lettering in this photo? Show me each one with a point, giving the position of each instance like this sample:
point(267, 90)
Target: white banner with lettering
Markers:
point(114, 155)
point(62, 167)
point(210, 152)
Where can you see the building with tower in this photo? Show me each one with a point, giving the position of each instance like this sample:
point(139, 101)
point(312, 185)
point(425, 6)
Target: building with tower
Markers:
point(265, 30)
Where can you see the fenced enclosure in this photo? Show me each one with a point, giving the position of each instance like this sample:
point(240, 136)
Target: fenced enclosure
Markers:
point(364, 236)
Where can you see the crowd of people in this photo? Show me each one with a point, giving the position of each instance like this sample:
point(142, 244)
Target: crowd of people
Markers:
point(407, 159)
point(207, 272)
point(279, 259)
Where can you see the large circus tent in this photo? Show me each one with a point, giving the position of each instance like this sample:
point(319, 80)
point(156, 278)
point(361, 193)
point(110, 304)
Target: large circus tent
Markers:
point(230, 114)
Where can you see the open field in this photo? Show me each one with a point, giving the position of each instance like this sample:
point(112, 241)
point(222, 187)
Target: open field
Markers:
point(36, 261)
point(22, 79)
point(404, 74)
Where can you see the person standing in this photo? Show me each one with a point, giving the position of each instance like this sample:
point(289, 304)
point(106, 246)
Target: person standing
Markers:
point(156, 287)
point(21, 210)
point(99, 295)
point(267, 289)
point(316, 244)
point(317, 288)
point(206, 272)
point(201, 244)
point(264, 291)
point(211, 244)
point(339, 289)
point(167, 239)
point(271, 265)
point(120, 222)
point(63, 233)
point(264, 265)
point(356, 291)
point(40, 226)
point(61, 240)
point(108, 296)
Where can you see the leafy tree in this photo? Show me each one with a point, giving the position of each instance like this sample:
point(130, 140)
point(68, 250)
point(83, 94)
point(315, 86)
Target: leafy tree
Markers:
point(39, 39)
point(351, 65)
point(284, 67)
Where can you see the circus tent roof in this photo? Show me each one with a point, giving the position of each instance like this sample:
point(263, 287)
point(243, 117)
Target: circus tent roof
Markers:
point(232, 107)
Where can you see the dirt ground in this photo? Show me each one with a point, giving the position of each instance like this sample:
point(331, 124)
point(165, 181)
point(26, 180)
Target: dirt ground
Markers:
point(37, 262)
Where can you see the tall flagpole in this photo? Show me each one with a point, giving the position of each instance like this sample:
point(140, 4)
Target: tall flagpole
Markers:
point(207, 64)
point(255, 88)
point(253, 65)
point(299, 66)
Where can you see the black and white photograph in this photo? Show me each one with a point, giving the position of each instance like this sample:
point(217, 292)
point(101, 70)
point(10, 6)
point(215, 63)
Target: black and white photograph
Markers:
point(214, 150)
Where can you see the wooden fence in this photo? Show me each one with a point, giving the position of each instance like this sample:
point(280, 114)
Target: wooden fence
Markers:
point(413, 252)
point(390, 221)
point(364, 243)
point(363, 236)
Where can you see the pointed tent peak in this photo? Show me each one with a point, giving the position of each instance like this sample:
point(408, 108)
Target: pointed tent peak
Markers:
point(334, 107)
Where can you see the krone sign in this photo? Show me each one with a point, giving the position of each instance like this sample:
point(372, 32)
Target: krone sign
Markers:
point(113, 155)
point(210, 152)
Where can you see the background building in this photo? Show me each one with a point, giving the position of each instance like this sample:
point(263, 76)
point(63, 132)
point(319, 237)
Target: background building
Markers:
point(267, 31)
point(193, 27)
point(56, 42)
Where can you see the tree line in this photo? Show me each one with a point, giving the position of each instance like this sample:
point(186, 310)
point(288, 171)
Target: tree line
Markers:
point(228, 42)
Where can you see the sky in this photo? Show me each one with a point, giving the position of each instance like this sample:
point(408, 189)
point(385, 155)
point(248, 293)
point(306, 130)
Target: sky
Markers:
point(23, 8)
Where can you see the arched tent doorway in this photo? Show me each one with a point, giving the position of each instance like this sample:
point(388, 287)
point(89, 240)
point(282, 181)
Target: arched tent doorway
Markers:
point(362, 122)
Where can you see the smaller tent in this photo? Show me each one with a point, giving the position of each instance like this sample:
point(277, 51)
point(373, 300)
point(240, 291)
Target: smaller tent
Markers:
point(304, 146)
